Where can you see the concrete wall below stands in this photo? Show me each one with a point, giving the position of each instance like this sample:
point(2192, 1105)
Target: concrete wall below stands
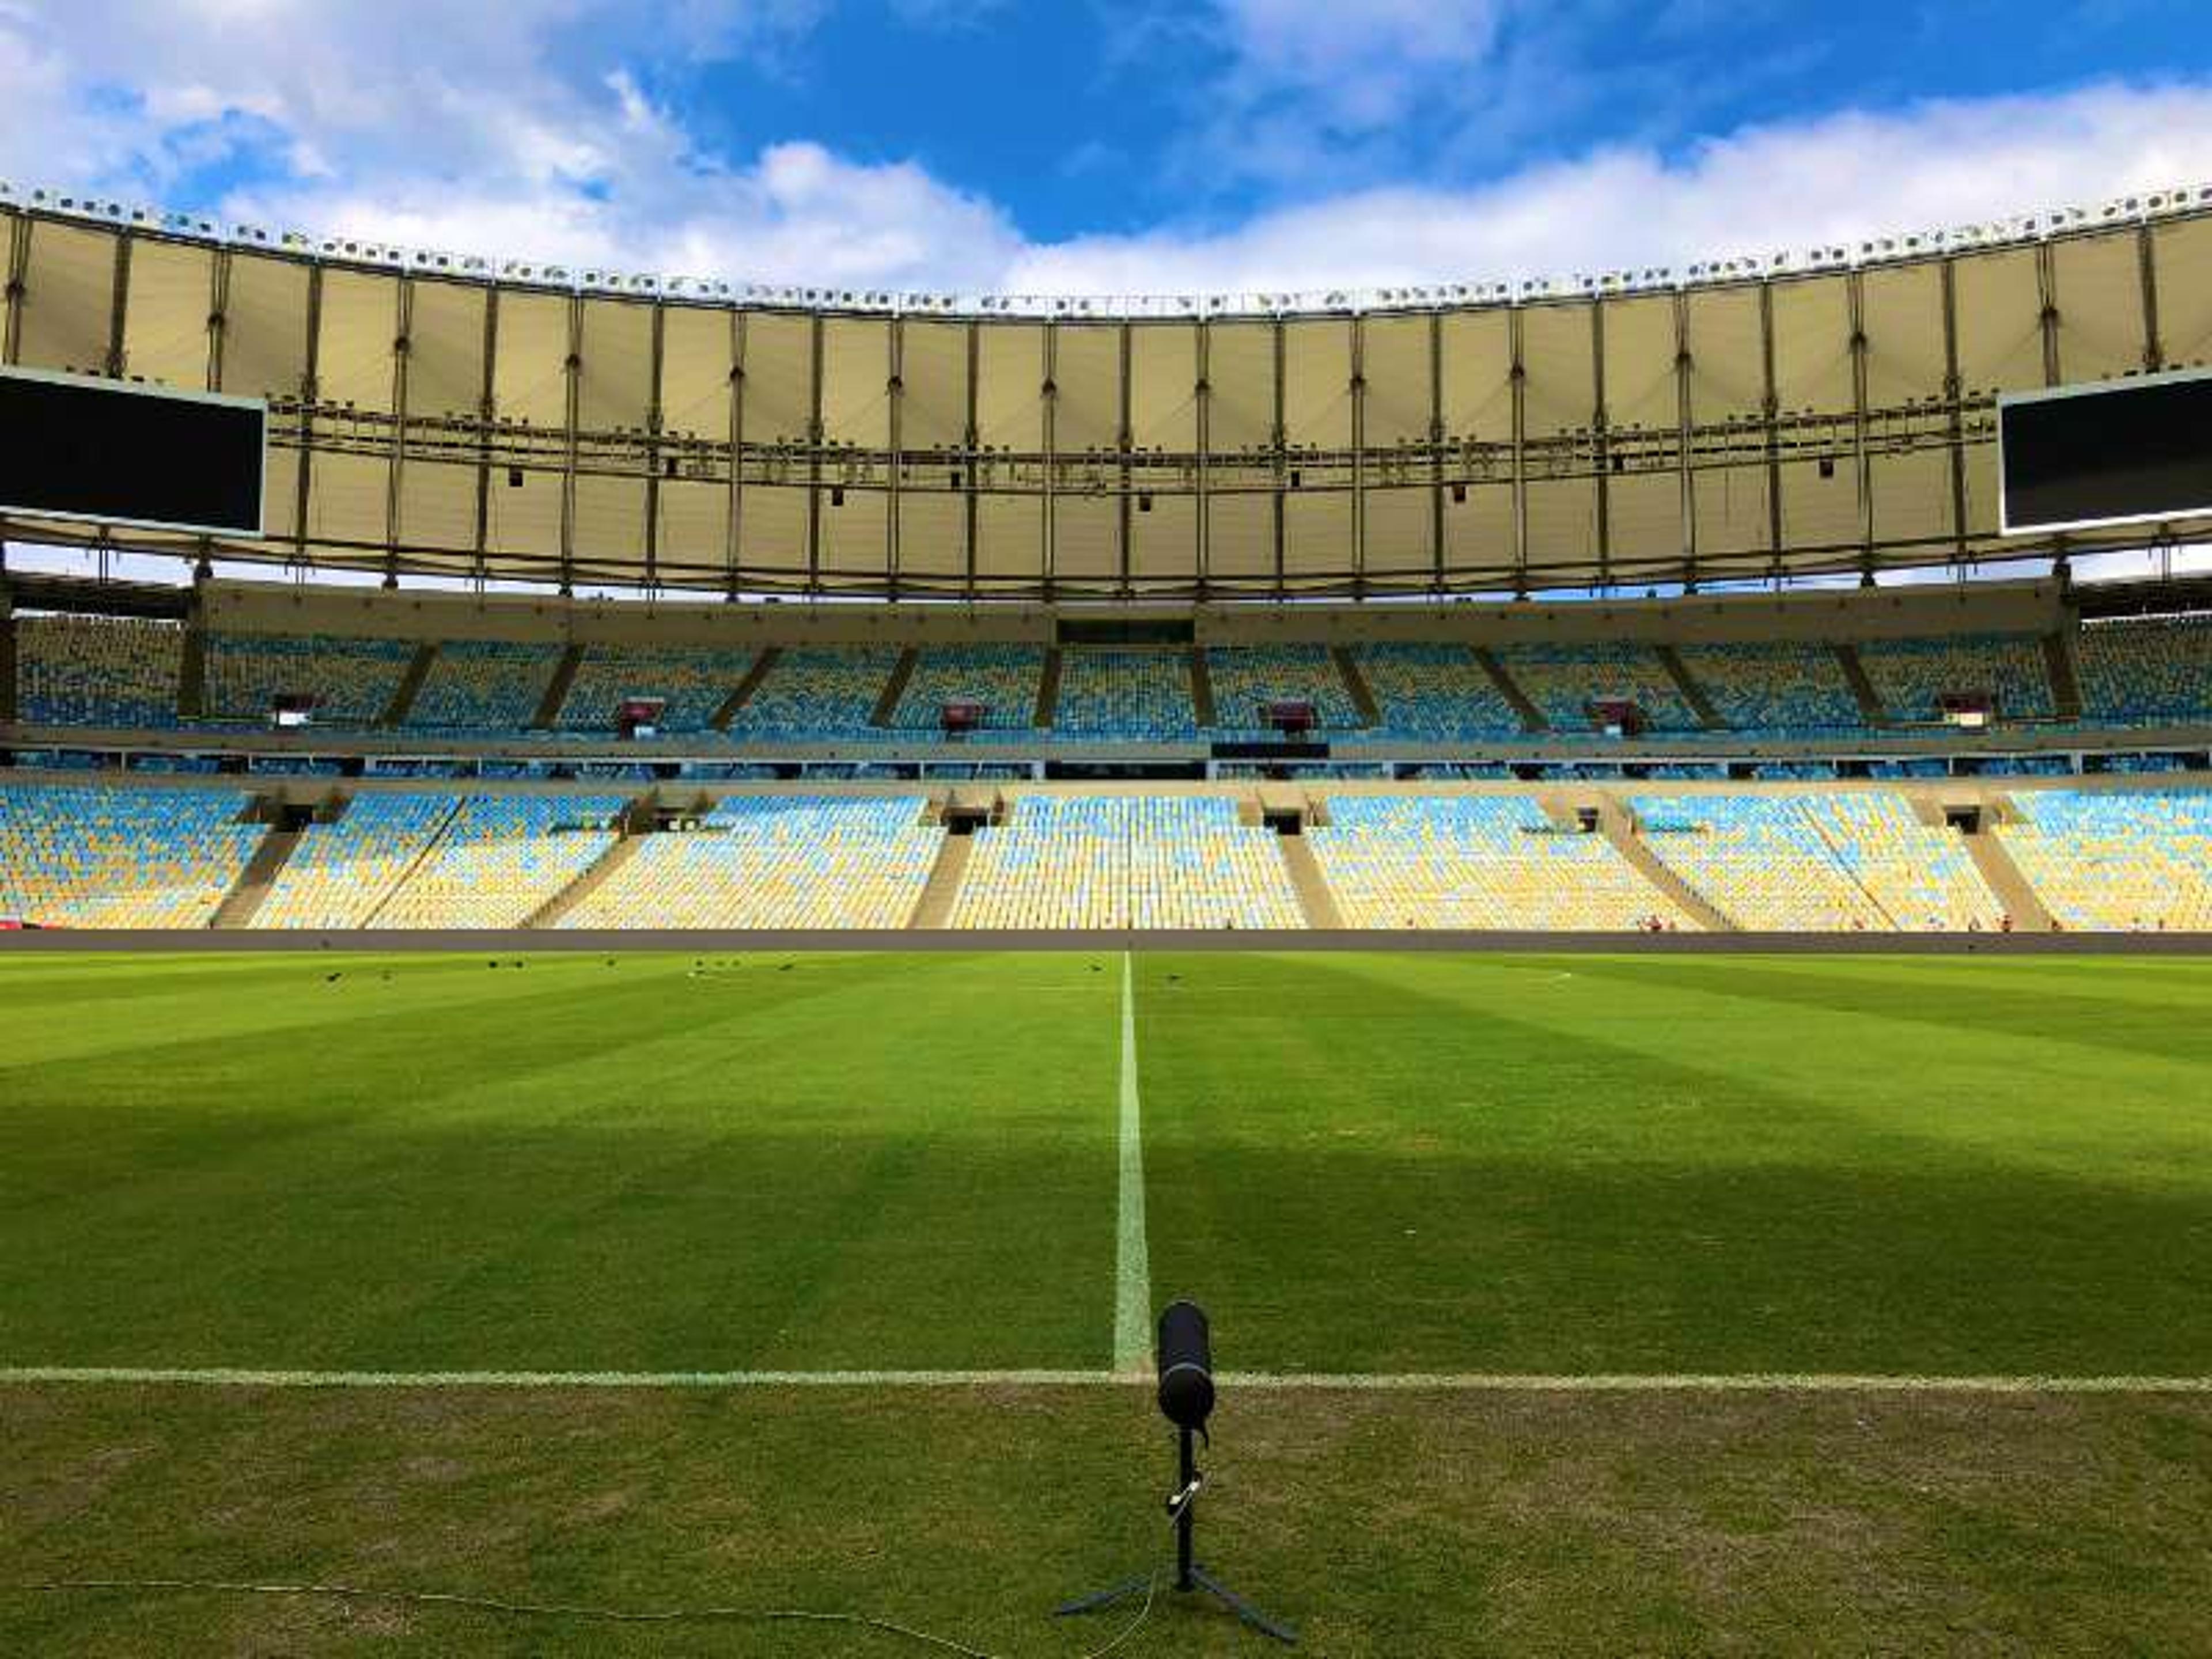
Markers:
point(508, 942)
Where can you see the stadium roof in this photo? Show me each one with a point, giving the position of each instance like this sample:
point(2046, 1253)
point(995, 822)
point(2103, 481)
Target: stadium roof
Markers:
point(1803, 414)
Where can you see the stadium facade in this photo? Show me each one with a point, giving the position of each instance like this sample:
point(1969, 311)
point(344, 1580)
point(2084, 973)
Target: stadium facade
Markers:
point(1120, 724)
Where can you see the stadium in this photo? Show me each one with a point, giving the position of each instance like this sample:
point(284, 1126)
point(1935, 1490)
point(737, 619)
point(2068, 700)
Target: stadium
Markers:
point(627, 910)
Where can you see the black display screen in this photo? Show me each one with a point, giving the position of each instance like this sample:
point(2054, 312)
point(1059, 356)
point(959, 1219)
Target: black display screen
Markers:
point(2139, 450)
point(83, 448)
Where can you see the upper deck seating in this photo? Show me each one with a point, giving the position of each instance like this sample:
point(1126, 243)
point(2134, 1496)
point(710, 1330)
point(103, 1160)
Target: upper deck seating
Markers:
point(1004, 678)
point(1436, 693)
point(484, 685)
point(1913, 676)
point(97, 671)
point(1790, 688)
point(1247, 676)
point(1124, 695)
point(814, 692)
point(2146, 671)
point(1563, 681)
point(351, 681)
point(690, 684)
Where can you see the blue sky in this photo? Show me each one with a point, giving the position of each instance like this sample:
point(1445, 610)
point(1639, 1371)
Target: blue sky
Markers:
point(989, 144)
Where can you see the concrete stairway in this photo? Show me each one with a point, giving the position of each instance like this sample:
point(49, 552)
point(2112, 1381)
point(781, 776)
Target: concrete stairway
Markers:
point(192, 672)
point(7, 663)
point(1355, 685)
point(243, 903)
point(1869, 700)
point(1532, 718)
point(894, 688)
point(2065, 685)
point(1311, 886)
point(935, 908)
point(2029, 913)
point(557, 690)
point(1618, 827)
point(1692, 693)
point(411, 686)
point(548, 914)
point(1202, 687)
point(1047, 697)
point(746, 688)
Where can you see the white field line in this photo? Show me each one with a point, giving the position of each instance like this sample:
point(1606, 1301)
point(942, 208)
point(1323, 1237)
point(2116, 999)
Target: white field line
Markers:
point(1133, 1269)
point(1256, 1382)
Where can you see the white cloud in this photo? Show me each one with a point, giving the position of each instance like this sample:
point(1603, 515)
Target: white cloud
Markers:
point(532, 129)
point(1763, 188)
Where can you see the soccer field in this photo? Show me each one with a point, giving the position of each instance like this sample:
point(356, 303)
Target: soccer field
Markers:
point(1690, 1289)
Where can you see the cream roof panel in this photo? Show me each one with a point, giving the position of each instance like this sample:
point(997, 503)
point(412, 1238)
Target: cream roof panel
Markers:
point(530, 362)
point(264, 337)
point(1727, 354)
point(1240, 372)
point(1559, 357)
point(165, 327)
point(932, 537)
point(698, 348)
point(446, 350)
point(1812, 345)
point(1164, 543)
point(933, 373)
point(1476, 348)
point(1086, 370)
point(1164, 386)
point(2183, 262)
point(1009, 391)
point(1317, 383)
point(67, 311)
point(614, 373)
point(438, 505)
point(1902, 308)
point(354, 359)
point(1641, 345)
point(779, 378)
point(856, 372)
point(1999, 306)
point(1395, 360)
point(2100, 295)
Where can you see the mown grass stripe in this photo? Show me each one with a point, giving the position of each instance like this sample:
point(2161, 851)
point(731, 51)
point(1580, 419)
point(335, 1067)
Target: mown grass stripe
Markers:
point(1133, 1270)
point(1261, 1381)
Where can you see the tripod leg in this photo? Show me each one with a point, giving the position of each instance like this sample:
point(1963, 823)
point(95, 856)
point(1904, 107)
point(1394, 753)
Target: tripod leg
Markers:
point(1244, 1610)
point(1104, 1598)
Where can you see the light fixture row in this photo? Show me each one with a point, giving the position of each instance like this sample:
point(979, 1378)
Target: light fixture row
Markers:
point(1417, 297)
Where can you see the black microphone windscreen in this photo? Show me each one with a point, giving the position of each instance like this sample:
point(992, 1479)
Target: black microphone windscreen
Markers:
point(1186, 1364)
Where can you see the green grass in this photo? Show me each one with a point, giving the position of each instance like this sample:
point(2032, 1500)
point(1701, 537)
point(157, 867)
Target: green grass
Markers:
point(1358, 1162)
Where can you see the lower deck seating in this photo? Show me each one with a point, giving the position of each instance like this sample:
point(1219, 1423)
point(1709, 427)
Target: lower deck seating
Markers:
point(2135, 862)
point(501, 859)
point(795, 861)
point(1486, 862)
point(1819, 861)
point(95, 856)
point(97, 671)
point(1086, 861)
point(340, 874)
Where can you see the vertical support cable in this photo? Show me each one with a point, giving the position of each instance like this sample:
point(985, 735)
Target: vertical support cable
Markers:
point(487, 414)
point(310, 395)
point(572, 371)
point(1954, 409)
point(1684, 435)
point(733, 531)
point(1358, 389)
point(1601, 444)
point(1863, 463)
point(403, 351)
point(1519, 378)
point(971, 441)
point(1437, 450)
point(894, 392)
point(655, 455)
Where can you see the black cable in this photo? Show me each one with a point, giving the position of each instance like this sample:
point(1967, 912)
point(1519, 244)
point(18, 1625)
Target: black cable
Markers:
point(563, 1610)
